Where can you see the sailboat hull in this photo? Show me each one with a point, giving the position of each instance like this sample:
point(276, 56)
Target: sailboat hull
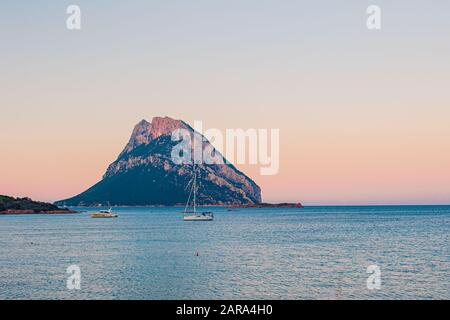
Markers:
point(198, 218)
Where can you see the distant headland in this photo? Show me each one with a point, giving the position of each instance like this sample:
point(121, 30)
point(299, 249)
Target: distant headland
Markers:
point(269, 205)
point(11, 205)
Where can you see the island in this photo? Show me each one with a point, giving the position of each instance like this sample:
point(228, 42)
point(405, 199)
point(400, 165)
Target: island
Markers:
point(268, 205)
point(11, 205)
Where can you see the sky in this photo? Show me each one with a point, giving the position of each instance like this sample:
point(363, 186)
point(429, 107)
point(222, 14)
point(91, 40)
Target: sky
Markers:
point(364, 115)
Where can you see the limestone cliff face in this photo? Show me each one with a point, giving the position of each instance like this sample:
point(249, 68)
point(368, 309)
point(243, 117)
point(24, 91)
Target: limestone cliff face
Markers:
point(144, 132)
point(144, 174)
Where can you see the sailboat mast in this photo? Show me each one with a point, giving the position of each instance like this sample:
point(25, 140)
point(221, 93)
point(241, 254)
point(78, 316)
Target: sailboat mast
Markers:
point(195, 186)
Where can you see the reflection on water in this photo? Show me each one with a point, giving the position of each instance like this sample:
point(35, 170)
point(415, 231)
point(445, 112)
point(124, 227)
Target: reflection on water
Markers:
point(150, 253)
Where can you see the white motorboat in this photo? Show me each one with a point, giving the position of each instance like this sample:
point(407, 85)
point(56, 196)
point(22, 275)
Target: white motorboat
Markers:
point(105, 214)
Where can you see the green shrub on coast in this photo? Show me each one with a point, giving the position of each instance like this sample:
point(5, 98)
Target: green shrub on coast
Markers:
point(10, 203)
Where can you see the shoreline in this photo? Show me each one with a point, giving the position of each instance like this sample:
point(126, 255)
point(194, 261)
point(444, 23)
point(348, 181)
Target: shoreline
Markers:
point(267, 205)
point(225, 206)
point(31, 212)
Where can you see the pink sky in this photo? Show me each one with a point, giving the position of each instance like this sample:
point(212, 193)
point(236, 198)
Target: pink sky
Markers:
point(336, 165)
point(363, 116)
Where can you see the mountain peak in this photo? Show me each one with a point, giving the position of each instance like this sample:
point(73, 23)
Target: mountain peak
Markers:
point(144, 132)
point(140, 136)
point(162, 126)
point(143, 122)
point(144, 174)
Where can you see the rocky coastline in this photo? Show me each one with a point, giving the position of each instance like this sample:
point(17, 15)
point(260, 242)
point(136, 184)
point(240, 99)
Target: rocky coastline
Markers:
point(17, 206)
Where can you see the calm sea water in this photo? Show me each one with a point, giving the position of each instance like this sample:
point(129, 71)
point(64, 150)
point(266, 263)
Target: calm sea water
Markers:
point(150, 253)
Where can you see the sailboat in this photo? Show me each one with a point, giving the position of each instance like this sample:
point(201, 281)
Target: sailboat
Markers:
point(194, 215)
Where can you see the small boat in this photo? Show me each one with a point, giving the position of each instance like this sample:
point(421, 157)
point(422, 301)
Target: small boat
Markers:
point(199, 216)
point(105, 214)
point(194, 215)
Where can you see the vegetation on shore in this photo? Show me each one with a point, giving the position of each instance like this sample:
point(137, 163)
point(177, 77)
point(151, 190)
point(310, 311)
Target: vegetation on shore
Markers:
point(11, 205)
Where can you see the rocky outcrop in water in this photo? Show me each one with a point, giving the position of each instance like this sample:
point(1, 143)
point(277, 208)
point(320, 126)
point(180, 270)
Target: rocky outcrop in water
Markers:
point(11, 205)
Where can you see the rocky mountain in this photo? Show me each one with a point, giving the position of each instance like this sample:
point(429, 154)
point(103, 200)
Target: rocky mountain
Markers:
point(144, 174)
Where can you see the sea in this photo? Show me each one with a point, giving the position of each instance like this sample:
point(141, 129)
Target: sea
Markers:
point(376, 252)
